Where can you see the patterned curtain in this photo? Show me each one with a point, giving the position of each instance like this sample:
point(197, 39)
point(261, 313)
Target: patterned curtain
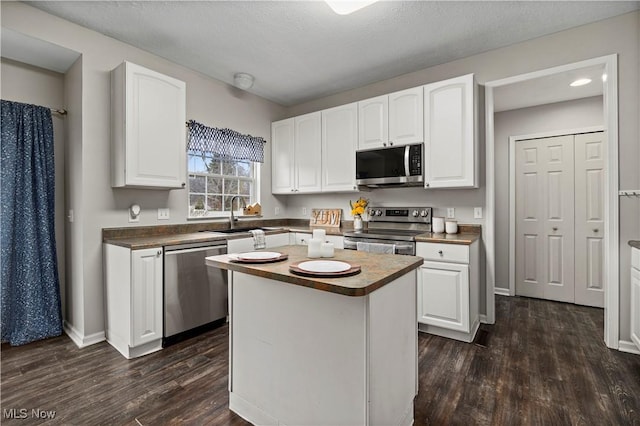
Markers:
point(225, 143)
point(30, 292)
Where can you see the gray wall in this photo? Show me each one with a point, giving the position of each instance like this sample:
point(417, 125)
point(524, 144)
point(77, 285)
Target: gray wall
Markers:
point(553, 117)
point(32, 85)
point(95, 203)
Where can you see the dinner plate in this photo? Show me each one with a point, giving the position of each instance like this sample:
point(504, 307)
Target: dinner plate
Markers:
point(324, 266)
point(259, 255)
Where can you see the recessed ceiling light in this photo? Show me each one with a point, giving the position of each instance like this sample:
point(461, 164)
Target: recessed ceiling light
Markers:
point(345, 7)
point(580, 82)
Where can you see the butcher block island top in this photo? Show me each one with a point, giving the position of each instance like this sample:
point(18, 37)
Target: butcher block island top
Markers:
point(376, 269)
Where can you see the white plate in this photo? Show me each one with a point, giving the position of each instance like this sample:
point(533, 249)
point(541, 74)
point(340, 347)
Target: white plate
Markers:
point(324, 266)
point(259, 255)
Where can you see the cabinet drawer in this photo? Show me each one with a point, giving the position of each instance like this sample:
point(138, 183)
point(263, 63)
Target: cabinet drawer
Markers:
point(635, 258)
point(443, 252)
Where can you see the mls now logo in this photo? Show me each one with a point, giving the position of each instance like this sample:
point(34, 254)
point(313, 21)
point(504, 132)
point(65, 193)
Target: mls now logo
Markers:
point(23, 413)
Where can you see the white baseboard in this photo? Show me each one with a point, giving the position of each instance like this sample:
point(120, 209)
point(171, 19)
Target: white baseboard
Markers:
point(629, 347)
point(501, 291)
point(81, 340)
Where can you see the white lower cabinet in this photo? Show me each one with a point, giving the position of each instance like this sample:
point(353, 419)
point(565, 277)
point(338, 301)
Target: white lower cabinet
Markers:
point(448, 290)
point(241, 245)
point(301, 238)
point(635, 296)
point(134, 299)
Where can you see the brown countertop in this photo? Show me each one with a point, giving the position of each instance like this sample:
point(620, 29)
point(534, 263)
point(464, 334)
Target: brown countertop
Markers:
point(376, 270)
point(466, 238)
point(635, 243)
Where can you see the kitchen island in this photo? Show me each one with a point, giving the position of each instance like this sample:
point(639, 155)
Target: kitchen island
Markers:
point(323, 351)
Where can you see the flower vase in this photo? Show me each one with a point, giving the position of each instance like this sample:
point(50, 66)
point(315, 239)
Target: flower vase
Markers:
point(357, 223)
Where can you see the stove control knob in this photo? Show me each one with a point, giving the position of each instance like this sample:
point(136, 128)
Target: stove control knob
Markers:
point(415, 213)
point(378, 212)
point(424, 213)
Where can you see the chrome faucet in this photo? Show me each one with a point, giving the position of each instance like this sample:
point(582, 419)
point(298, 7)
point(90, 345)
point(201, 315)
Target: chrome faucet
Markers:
point(233, 220)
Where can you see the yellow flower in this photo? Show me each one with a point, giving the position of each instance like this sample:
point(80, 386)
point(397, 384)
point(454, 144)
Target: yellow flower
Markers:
point(359, 207)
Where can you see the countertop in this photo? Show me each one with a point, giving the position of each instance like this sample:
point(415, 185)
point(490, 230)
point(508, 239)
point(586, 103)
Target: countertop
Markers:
point(635, 243)
point(376, 270)
point(174, 238)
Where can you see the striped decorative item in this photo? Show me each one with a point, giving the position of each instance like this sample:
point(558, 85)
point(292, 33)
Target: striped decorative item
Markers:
point(225, 143)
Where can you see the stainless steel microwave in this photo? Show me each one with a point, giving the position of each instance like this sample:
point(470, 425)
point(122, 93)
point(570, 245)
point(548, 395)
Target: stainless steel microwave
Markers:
point(393, 166)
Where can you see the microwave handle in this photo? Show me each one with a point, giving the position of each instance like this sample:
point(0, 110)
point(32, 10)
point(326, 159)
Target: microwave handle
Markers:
point(407, 172)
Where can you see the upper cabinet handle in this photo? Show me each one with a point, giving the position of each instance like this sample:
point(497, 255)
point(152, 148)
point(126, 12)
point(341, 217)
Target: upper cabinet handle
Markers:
point(555, 228)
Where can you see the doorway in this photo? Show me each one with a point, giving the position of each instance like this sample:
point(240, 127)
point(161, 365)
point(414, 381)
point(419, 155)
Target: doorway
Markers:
point(608, 65)
point(557, 217)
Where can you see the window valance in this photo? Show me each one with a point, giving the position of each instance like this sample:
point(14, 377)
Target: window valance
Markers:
point(225, 143)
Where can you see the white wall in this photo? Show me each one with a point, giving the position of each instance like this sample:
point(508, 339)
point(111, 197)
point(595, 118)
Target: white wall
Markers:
point(95, 203)
point(558, 116)
point(32, 85)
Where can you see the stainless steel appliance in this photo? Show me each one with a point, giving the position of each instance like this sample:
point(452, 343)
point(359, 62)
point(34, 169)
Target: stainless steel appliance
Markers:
point(195, 296)
point(391, 230)
point(392, 166)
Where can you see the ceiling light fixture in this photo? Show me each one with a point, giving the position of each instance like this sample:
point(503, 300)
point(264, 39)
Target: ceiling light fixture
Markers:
point(580, 82)
point(243, 81)
point(345, 7)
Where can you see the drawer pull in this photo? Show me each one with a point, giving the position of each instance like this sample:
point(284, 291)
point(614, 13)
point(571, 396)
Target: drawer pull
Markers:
point(440, 252)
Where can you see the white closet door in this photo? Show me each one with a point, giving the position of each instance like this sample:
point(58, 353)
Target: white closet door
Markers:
point(545, 218)
point(589, 212)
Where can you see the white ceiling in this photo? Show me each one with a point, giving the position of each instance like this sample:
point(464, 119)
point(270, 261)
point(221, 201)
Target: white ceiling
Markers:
point(301, 50)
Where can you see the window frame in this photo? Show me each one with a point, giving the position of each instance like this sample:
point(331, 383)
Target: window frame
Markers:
point(254, 195)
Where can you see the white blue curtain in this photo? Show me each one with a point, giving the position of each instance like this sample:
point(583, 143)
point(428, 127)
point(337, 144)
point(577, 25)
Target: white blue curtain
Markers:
point(30, 289)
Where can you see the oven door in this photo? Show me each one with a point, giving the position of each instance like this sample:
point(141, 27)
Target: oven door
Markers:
point(401, 247)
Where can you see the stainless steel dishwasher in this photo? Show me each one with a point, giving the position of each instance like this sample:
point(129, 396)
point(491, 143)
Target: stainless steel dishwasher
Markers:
point(195, 296)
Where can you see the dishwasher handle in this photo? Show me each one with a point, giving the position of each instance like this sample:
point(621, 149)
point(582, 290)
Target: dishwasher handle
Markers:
point(222, 248)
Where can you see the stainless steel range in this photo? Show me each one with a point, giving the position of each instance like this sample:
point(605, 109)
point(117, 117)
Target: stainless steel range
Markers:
point(391, 230)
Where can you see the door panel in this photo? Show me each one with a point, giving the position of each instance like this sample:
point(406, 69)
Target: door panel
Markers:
point(544, 218)
point(589, 213)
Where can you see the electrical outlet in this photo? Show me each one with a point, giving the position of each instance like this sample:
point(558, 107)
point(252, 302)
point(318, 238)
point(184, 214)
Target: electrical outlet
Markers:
point(304, 211)
point(477, 212)
point(70, 216)
point(451, 212)
point(163, 214)
point(276, 211)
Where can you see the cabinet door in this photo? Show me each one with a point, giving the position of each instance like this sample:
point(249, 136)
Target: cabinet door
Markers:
point(282, 157)
point(308, 152)
point(443, 295)
point(240, 245)
point(339, 144)
point(373, 122)
point(146, 296)
point(635, 306)
point(277, 240)
point(450, 134)
point(406, 116)
point(154, 128)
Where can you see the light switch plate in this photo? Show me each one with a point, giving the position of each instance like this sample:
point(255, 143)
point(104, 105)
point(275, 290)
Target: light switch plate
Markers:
point(277, 211)
point(451, 212)
point(163, 214)
point(304, 211)
point(477, 212)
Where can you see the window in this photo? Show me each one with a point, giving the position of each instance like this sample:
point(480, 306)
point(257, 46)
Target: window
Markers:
point(213, 181)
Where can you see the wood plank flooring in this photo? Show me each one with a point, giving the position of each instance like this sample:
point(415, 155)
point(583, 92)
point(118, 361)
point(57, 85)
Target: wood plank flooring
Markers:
point(545, 363)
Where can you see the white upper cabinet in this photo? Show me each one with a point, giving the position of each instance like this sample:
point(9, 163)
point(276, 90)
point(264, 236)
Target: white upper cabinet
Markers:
point(394, 119)
point(406, 117)
point(450, 133)
point(148, 129)
point(295, 155)
point(308, 152)
point(282, 157)
point(373, 122)
point(339, 144)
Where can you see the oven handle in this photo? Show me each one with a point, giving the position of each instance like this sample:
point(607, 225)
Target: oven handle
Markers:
point(353, 245)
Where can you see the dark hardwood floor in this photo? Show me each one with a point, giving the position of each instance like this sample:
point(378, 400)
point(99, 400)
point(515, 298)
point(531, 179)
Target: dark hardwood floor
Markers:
point(544, 363)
